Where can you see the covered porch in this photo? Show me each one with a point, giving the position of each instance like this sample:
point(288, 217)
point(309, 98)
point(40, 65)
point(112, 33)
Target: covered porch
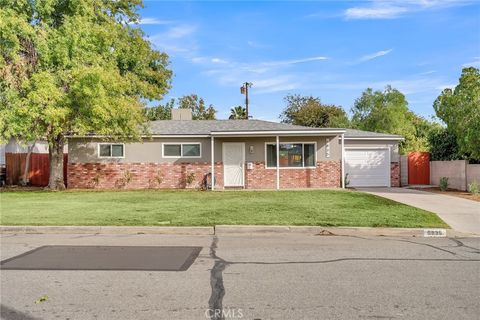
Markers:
point(277, 159)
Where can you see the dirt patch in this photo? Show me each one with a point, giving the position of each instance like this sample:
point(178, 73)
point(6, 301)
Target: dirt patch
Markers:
point(453, 192)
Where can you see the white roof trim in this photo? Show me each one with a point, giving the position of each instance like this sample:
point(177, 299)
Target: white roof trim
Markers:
point(260, 133)
point(152, 136)
point(276, 133)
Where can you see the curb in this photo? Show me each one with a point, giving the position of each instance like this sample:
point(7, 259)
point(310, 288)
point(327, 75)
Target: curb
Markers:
point(335, 231)
point(229, 229)
point(105, 230)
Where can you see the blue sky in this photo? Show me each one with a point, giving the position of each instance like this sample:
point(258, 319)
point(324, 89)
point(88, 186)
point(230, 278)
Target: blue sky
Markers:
point(330, 49)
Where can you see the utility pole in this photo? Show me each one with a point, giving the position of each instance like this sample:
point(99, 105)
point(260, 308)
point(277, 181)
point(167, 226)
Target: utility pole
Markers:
point(244, 90)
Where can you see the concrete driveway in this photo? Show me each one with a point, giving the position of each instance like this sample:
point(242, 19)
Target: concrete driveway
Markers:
point(461, 214)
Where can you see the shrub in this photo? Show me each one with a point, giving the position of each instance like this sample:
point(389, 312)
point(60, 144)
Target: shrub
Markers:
point(443, 183)
point(189, 179)
point(346, 181)
point(473, 187)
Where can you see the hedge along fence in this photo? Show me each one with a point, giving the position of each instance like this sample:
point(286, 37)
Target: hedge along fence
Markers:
point(459, 173)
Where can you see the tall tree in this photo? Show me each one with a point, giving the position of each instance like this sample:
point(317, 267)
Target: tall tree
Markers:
point(160, 112)
point(443, 145)
point(387, 112)
point(75, 67)
point(238, 113)
point(460, 110)
point(311, 112)
point(197, 105)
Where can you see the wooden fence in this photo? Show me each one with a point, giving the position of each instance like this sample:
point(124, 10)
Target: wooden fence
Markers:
point(39, 168)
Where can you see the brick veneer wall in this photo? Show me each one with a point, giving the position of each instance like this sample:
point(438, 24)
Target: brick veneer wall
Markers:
point(395, 174)
point(170, 175)
point(140, 175)
point(326, 174)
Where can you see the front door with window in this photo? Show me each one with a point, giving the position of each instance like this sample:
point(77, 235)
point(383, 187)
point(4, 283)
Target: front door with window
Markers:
point(233, 164)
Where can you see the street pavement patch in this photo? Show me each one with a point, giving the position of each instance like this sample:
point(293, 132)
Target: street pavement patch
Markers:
point(141, 258)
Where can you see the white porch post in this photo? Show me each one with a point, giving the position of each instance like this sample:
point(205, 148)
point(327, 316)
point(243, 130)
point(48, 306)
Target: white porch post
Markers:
point(278, 161)
point(343, 161)
point(212, 151)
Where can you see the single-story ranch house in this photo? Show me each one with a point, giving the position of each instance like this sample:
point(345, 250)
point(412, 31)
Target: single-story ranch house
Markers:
point(250, 154)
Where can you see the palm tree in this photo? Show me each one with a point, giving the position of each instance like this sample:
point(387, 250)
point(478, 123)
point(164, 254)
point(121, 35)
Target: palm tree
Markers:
point(238, 113)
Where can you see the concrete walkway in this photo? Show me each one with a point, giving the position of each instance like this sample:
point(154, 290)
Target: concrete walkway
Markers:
point(461, 214)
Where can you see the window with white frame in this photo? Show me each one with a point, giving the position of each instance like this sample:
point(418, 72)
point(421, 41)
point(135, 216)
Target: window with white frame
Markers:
point(111, 150)
point(181, 150)
point(292, 155)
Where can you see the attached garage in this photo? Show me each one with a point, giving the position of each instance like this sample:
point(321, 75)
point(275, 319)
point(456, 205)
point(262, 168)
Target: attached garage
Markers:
point(367, 167)
point(372, 159)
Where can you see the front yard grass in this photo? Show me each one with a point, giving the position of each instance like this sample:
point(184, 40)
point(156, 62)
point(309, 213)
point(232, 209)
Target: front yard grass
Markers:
point(192, 208)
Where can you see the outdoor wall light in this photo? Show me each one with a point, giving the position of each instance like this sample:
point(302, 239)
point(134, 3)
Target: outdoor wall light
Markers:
point(251, 149)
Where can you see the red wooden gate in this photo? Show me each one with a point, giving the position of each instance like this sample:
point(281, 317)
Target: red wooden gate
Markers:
point(39, 168)
point(418, 168)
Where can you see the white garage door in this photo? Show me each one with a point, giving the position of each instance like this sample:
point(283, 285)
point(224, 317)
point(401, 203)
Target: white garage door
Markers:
point(368, 167)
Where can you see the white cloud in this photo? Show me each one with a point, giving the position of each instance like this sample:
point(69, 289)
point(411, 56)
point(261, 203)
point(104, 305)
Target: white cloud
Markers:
point(474, 63)
point(257, 45)
point(177, 39)
point(391, 9)
point(427, 72)
point(153, 21)
point(180, 31)
point(375, 55)
point(267, 76)
point(218, 60)
point(294, 61)
point(407, 86)
point(376, 12)
point(446, 86)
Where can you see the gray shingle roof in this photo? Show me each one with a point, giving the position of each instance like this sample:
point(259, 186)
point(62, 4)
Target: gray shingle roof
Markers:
point(353, 133)
point(205, 127)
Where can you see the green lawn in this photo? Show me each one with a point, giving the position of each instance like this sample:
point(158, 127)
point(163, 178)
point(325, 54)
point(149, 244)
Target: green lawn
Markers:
point(193, 208)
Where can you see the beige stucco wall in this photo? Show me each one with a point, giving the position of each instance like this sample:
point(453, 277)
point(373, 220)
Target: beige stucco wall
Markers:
point(459, 173)
point(473, 173)
point(84, 150)
point(392, 144)
point(150, 150)
point(454, 170)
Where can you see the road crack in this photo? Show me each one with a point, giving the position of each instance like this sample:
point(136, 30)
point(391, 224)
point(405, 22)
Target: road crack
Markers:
point(215, 303)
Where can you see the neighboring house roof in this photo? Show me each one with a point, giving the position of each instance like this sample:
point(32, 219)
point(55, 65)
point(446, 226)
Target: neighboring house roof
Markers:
point(231, 127)
point(353, 134)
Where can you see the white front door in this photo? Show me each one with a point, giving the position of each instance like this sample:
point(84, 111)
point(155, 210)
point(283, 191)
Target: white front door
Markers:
point(233, 164)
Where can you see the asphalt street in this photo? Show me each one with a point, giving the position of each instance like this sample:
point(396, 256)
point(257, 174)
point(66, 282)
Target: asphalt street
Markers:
point(272, 276)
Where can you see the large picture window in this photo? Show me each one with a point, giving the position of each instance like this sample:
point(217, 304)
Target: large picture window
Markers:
point(292, 155)
point(181, 150)
point(111, 150)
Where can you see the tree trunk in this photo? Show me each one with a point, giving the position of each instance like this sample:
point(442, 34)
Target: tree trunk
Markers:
point(25, 179)
point(55, 153)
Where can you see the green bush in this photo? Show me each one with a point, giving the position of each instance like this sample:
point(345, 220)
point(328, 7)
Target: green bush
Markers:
point(443, 183)
point(473, 187)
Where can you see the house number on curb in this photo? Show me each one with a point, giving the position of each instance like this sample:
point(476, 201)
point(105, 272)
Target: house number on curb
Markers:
point(429, 233)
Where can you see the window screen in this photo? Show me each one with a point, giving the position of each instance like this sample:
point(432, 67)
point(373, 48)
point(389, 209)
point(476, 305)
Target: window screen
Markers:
point(172, 150)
